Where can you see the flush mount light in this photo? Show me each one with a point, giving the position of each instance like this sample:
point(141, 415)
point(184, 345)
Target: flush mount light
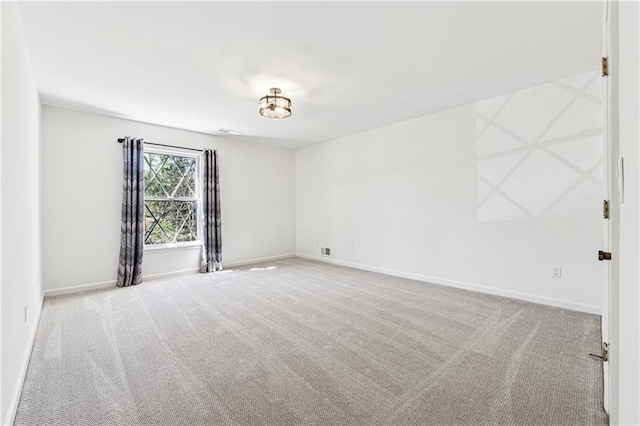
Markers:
point(274, 105)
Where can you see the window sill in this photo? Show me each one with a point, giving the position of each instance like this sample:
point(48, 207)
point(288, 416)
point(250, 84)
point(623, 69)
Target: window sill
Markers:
point(151, 248)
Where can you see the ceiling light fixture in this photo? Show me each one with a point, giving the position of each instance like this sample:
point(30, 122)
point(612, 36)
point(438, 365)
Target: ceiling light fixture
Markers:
point(274, 105)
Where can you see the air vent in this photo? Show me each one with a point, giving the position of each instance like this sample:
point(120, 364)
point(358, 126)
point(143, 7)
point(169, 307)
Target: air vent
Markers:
point(325, 251)
point(229, 131)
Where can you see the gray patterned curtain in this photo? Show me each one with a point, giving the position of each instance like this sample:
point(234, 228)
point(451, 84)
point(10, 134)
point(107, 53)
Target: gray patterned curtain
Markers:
point(212, 229)
point(132, 222)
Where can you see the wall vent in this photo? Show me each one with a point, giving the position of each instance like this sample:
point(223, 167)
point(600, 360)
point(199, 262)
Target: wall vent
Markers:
point(228, 131)
point(325, 251)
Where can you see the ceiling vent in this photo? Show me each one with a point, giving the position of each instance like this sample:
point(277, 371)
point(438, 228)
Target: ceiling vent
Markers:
point(228, 131)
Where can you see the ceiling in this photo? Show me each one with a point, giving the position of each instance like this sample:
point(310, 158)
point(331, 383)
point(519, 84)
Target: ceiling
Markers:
point(348, 67)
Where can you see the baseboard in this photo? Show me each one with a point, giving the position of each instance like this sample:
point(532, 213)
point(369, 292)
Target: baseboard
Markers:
point(79, 288)
point(109, 284)
point(558, 303)
point(258, 260)
point(169, 274)
point(17, 391)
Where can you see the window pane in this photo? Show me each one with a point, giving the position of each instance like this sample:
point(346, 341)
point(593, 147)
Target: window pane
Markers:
point(169, 175)
point(187, 230)
point(185, 163)
point(154, 189)
point(153, 161)
point(185, 189)
point(190, 180)
point(152, 185)
point(167, 224)
point(154, 234)
point(170, 221)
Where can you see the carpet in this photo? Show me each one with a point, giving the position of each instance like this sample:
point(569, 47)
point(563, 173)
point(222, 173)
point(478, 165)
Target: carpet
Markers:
point(298, 342)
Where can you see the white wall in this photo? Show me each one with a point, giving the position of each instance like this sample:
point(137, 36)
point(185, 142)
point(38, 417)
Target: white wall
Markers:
point(20, 238)
point(82, 193)
point(491, 194)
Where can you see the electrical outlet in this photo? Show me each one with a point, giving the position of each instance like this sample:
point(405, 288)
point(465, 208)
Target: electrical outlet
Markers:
point(350, 246)
point(326, 251)
point(556, 272)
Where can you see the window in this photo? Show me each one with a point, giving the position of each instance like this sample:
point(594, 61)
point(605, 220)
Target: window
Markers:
point(171, 198)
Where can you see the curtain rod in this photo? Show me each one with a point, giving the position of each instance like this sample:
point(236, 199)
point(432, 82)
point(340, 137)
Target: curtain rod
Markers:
point(120, 140)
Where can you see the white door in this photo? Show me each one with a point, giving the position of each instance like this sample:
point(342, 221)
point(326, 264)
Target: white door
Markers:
point(609, 167)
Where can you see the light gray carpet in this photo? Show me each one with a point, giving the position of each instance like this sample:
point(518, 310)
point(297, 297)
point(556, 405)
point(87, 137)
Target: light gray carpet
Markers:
point(302, 342)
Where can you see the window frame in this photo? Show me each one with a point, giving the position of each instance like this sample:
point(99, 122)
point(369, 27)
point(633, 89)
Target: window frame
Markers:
point(197, 156)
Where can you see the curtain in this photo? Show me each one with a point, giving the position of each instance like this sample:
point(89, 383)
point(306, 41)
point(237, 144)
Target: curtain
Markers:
point(212, 229)
point(132, 222)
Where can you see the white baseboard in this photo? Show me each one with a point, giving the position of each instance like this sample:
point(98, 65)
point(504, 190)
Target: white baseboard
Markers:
point(79, 288)
point(17, 391)
point(258, 260)
point(558, 303)
point(109, 284)
point(169, 274)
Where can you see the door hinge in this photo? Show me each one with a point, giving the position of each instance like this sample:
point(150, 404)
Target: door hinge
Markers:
point(604, 255)
point(605, 209)
point(605, 352)
point(605, 66)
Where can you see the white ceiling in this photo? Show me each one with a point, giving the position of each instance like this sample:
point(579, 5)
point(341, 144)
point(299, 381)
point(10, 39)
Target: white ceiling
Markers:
point(348, 67)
